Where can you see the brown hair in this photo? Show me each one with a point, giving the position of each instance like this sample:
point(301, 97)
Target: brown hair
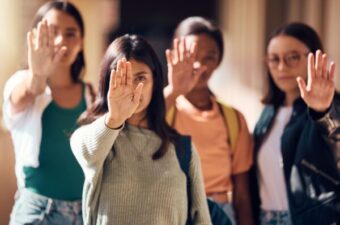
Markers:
point(301, 32)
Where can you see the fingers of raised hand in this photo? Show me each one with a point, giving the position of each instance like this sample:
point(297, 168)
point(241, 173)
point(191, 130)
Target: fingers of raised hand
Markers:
point(122, 75)
point(129, 81)
point(193, 51)
point(125, 71)
point(320, 69)
point(318, 64)
point(113, 83)
point(331, 71)
point(302, 86)
point(121, 70)
point(187, 53)
point(175, 51)
point(169, 57)
point(321, 64)
point(119, 74)
point(311, 68)
point(51, 36)
point(324, 64)
point(60, 51)
point(137, 93)
point(42, 34)
point(182, 49)
point(39, 35)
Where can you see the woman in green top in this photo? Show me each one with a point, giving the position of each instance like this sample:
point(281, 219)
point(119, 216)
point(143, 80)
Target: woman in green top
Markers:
point(41, 107)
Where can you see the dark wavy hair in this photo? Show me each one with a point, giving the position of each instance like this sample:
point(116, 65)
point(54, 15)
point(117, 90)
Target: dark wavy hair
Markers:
point(136, 48)
point(69, 9)
point(196, 25)
point(301, 32)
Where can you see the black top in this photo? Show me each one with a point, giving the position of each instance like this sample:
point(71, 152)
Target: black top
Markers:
point(310, 147)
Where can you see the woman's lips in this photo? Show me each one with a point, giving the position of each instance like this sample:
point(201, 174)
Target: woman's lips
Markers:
point(286, 77)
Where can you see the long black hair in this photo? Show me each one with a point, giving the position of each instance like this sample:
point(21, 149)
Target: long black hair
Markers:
point(136, 48)
point(301, 32)
point(69, 9)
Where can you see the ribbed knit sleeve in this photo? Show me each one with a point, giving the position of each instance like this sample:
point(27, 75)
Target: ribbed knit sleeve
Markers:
point(199, 209)
point(91, 144)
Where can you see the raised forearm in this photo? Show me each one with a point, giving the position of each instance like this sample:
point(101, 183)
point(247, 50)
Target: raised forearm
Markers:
point(170, 97)
point(241, 200)
point(25, 92)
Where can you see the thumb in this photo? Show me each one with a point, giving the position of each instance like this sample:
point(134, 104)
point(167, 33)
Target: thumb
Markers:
point(198, 73)
point(302, 87)
point(59, 53)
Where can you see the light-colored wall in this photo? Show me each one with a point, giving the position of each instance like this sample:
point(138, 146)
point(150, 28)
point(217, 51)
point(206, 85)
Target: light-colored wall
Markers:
point(9, 54)
point(239, 79)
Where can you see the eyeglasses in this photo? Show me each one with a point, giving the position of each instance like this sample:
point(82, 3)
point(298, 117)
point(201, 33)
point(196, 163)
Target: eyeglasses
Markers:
point(291, 60)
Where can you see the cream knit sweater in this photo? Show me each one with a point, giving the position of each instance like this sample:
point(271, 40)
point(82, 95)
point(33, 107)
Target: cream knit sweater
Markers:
point(127, 186)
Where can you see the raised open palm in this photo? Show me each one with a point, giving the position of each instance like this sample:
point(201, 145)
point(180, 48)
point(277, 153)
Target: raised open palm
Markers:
point(42, 55)
point(123, 99)
point(182, 74)
point(319, 91)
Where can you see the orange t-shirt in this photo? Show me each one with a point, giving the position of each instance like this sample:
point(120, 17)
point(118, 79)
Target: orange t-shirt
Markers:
point(209, 136)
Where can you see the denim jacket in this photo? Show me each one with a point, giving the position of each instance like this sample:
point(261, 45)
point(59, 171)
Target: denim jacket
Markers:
point(310, 147)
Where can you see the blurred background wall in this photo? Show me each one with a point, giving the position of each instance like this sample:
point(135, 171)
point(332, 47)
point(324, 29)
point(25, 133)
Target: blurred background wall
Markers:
point(240, 79)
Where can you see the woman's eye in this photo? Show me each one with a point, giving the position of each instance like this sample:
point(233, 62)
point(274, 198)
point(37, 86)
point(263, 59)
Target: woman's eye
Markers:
point(209, 58)
point(293, 57)
point(70, 35)
point(140, 79)
point(273, 60)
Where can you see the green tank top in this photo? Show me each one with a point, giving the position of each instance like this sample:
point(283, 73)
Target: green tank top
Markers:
point(59, 175)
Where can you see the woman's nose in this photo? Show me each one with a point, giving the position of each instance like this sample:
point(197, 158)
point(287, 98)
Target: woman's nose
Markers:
point(282, 64)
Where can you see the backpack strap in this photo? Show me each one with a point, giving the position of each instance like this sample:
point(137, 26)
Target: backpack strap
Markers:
point(170, 116)
point(183, 153)
point(232, 123)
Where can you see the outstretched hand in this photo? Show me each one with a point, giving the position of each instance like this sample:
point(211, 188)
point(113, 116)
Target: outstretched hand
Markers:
point(42, 55)
point(319, 91)
point(122, 98)
point(183, 74)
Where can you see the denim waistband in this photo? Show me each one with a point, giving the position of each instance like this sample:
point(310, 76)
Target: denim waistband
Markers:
point(52, 204)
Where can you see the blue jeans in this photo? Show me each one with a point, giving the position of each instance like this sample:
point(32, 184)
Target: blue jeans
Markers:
point(269, 217)
point(229, 210)
point(32, 208)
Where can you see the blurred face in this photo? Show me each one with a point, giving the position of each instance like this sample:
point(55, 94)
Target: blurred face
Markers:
point(67, 33)
point(208, 55)
point(286, 60)
point(142, 73)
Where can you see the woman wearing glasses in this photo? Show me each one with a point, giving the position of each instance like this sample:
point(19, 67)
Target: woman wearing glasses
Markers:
point(296, 170)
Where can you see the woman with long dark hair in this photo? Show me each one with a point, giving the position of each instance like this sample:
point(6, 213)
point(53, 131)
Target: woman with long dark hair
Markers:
point(127, 151)
point(295, 179)
point(41, 106)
